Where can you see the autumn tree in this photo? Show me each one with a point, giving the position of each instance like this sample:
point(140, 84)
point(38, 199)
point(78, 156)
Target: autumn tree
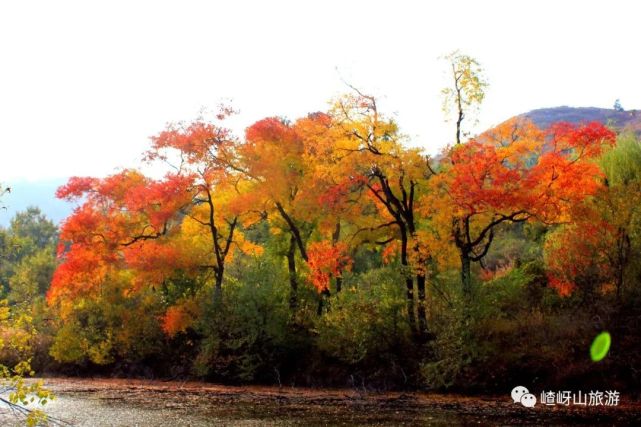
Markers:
point(395, 179)
point(597, 244)
point(278, 158)
point(467, 91)
point(333, 198)
point(204, 154)
point(118, 250)
point(513, 173)
point(119, 213)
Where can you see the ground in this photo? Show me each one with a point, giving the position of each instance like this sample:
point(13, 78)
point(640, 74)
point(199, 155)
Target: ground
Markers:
point(121, 402)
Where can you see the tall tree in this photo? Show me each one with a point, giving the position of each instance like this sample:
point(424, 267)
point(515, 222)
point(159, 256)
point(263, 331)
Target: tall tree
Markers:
point(146, 225)
point(119, 214)
point(467, 91)
point(274, 158)
point(395, 179)
point(599, 241)
point(205, 155)
point(513, 173)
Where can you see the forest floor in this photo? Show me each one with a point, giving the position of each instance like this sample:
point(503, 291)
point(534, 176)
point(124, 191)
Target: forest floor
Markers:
point(124, 402)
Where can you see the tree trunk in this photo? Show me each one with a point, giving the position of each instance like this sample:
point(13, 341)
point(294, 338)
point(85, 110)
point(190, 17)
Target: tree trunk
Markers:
point(409, 282)
point(293, 281)
point(459, 119)
point(623, 256)
point(619, 282)
point(218, 289)
point(466, 278)
point(322, 296)
point(422, 316)
point(335, 237)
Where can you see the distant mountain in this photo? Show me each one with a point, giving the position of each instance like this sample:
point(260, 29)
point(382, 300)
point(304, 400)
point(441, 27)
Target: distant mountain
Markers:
point(619, 119)
point(38, 193)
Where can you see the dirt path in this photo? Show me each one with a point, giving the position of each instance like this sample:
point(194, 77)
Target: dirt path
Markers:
point(114, 402)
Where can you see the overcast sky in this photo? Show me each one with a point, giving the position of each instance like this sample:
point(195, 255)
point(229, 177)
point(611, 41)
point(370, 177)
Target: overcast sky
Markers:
point(84, 84)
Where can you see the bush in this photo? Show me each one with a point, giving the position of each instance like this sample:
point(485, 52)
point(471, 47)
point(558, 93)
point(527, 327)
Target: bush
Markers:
point(112, 327)
point(246, 336)
point(365, 328)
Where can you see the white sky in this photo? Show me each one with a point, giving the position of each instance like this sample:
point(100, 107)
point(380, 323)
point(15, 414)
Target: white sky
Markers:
point(83, 84)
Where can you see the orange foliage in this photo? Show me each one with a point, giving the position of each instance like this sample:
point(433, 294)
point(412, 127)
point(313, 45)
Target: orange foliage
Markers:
point(119, 214)
point(327, 261)
point(516, 168)
point(514, 173)
point(577, 254)
point(178, 318)
point(83, 271)
point(130, 222)
point(343, 172)
point(390, 251)
point(155, 261)
point(564, 289)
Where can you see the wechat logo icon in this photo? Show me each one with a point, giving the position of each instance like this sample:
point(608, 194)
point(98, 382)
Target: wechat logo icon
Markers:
point(523, 396)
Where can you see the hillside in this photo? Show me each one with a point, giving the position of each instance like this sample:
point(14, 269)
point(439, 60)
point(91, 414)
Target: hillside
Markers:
point(621, 120)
